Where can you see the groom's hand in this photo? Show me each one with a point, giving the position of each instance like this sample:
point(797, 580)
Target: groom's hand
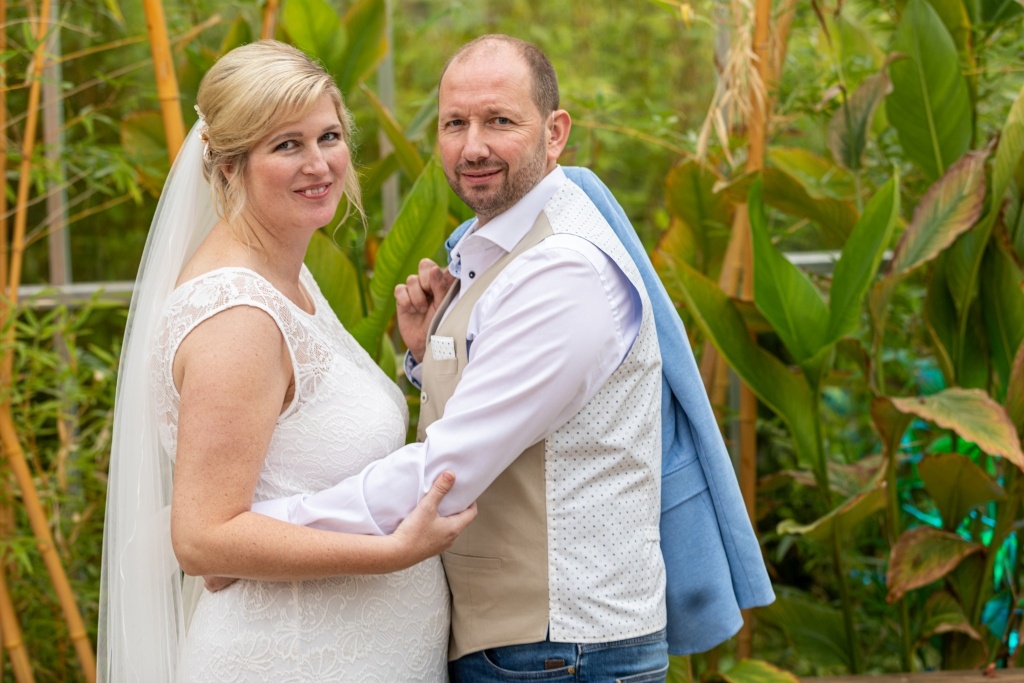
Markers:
point(417, 301)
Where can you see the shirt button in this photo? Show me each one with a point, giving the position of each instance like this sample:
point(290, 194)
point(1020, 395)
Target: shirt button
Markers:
point(472, 274)
point(423, 397)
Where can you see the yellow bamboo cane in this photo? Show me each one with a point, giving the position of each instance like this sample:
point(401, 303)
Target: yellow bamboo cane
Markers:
point(166, 82)
point(9, 629)
point(13, 642)
point(8, 431)
point(757, 127)
point(3, 146)
point(269, 19)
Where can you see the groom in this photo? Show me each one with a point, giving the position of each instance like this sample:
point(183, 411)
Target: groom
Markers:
point(544, 391)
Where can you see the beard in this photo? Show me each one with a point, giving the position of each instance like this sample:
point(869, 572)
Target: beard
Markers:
point(490, 202)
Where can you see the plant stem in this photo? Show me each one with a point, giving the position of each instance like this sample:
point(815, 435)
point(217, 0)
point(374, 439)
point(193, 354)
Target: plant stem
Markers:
point(892, 511)
point(1004, 523)
point(837, 537)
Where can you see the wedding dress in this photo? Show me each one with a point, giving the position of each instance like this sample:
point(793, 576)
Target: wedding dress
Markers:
point(345, 414)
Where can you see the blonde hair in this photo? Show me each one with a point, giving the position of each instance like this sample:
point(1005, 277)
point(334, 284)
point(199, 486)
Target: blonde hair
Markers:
point(245, 96)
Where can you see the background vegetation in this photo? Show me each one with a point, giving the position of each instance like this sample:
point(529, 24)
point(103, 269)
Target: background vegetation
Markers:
point(891, 388)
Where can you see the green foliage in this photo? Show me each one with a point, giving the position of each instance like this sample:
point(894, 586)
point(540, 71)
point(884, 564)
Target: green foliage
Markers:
point(870, 344)
point(417, 231)
point(929, 104)
point(907, 521)
point(62, 401)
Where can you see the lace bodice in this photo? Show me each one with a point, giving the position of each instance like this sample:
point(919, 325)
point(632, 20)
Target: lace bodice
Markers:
point(345, 413)
point(344, 407)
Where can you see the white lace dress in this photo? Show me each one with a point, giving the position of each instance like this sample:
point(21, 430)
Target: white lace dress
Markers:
point(345, 414)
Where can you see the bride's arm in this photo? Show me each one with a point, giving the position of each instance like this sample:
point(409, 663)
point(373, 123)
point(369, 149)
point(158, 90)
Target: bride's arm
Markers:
point(233, 372)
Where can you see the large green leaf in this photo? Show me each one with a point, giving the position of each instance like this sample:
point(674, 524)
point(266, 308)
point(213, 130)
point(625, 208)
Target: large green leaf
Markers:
point(973, 415)
point(940, 321)
point(416, 234)
point(1002, 306)
point(315, 28)
point(949, 208)
point(890, 423)
point(782, 292)
point(816, 630)
point(860, 259)
point(349, 49)
point(680, 669)
point(944, 614)
point(848, 129)
point(922, 555)
point(785, 392)
point(678, 244)
point(851, 38)
point(818, 174)
point(1015, 392)
point(957, 21)
point(408, 156)
point(929, 105)
point(957, 486)
point(840, 521)
point(834, 217)
point(374, 175)
point(790, 194)
point(963, 263)
point(757, 671)
point(365, 27)
point(1008, 152)
point(704, 213)
point(968, 581)
point(337, 278)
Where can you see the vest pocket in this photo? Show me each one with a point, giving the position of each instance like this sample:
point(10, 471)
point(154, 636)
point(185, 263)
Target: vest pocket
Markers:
point(448, 366)
point(472, 561)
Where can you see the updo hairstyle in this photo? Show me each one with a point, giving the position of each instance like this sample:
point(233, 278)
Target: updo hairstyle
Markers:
point(244, 97)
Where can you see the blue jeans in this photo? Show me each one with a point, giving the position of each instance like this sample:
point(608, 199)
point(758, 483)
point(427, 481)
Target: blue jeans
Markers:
point(635, 660)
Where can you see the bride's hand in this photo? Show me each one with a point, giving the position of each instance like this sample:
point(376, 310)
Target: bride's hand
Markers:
point(424, 533)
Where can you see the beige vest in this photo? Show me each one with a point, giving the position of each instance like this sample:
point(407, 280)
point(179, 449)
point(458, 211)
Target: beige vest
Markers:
point(498, 568)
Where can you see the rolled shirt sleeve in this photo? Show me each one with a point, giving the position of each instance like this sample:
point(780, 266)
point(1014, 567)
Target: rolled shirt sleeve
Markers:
point(543, 339)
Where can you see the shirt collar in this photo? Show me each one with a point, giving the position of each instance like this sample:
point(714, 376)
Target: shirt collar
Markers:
point(506, 229)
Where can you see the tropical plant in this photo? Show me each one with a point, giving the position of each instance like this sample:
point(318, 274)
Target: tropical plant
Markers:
point(833, 336)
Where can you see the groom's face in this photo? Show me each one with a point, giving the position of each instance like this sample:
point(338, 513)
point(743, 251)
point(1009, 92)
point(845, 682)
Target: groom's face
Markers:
point(494, 141)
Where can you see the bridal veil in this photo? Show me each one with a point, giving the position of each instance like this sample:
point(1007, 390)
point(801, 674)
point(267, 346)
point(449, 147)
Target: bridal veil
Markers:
point(144, 597)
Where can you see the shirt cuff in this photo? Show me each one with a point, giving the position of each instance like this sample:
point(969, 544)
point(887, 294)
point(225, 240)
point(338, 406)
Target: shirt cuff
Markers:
point(278, 508)
point(413, 371)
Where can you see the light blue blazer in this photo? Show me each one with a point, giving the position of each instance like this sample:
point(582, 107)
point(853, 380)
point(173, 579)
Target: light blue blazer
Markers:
point(713, 561)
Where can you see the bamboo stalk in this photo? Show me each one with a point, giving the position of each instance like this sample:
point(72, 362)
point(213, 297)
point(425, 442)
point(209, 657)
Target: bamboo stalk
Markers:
point(24, 178)
point(13, 643)
point(757, 127)
point(269, 19)
point(9, 629)
point(3, 146)
point(8, 431)
point(37, 519)
point(166, 81)
point(716, 381)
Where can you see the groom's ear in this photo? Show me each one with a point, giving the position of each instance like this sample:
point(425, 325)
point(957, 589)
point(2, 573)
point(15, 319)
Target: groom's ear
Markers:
point(557, 133)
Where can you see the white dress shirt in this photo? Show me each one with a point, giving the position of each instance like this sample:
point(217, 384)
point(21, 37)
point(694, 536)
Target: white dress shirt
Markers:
point(544, 337)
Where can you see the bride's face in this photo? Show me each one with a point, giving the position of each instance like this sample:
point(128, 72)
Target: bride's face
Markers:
point(296, 175)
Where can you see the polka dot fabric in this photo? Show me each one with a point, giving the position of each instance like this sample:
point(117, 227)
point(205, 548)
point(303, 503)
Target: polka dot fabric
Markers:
point(606, 576)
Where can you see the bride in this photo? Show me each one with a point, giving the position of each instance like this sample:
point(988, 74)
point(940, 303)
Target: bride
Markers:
point(238, 383)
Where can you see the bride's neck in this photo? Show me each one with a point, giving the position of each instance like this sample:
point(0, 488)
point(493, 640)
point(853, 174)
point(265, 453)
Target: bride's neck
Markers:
point(268, 251)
